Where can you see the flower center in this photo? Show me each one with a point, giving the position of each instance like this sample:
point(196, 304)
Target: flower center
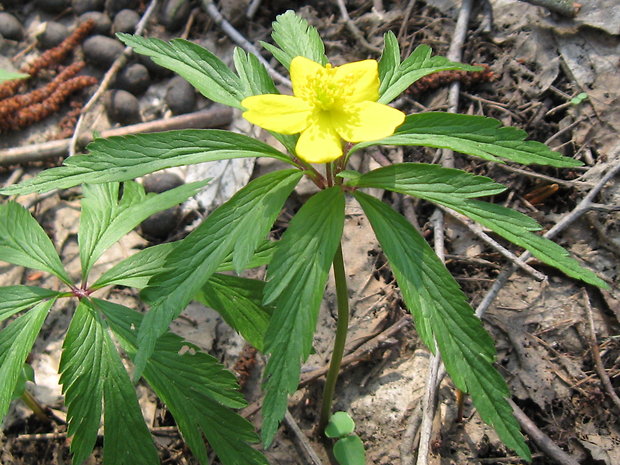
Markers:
point(324, 91)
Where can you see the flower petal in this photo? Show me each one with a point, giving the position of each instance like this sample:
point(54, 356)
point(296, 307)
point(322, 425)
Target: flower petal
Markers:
point(319, 143)
point(305, 74)
point(280, 113)
point(360, 79)
point(366, 121)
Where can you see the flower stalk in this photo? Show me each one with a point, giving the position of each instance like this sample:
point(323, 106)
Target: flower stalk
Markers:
point(342, 300)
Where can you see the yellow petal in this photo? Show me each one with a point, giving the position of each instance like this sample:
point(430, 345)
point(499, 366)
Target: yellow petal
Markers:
point(280, 113)
point(366, 121)
point(360, 79)
point(304, 72)
point(319, 143)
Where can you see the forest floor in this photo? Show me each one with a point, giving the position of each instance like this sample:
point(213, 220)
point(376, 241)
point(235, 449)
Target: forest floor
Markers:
point(549, 334)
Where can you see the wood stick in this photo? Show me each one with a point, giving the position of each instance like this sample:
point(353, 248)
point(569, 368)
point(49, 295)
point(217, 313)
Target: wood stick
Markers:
point(212, 118)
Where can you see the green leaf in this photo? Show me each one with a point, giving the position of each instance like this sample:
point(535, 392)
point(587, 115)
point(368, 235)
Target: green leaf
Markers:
point(350, 451)
point(238, 226)
point(16, 341)
point(428, 181)
point(517, 228)
point(396, 77)
point(254, 77)
point(239, 301)
point(195, 387)
point(295, 284)
point(340, 424)
point(295, 37)
point(136, 270)
point(123, 158)
point(473, 135)
point(105, 218)
point(441, 312)
point(92, 373)
point(10, 75)
point(197, 65)
point(25, 374)
point(14, 299)
point(23, 242)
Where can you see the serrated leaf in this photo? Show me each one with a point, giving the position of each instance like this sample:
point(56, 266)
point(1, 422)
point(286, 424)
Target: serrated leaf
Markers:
point(16, 341)
point(295, 284)
point(441, 310)
point(127, 440)
point(254, 77)
point(340, 424)
point(517, 228)
point(14, 299)
point(295, 37)
point(105, 218)
point(92, 373)
point(82, 374)
point(428, 181)
point(239, 302)
point(350, 451)
point(205, 71)
point(123, 158)
point(472, 135)
point(238, 226)
point(196, 389)
point(23, 242)
point(395, 77)
point(136, 270)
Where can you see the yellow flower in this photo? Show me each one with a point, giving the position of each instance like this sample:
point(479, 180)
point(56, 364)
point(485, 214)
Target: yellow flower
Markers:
point(329, 105)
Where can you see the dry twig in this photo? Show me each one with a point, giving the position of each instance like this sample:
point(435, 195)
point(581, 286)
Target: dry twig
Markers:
point(109, 75)
point(238, 38)
point(302, 441)
point(211, 118)
point(355, 30)
point(596, 354)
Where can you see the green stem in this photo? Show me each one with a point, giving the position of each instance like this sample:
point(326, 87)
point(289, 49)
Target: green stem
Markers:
point(341, 338)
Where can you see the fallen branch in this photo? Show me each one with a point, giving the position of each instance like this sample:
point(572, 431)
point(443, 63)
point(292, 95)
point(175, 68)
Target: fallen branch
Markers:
point(211, 118)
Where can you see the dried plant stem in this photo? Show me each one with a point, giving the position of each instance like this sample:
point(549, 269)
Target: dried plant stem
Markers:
point(355, 30)
point(109, 75)
point(238, 38)
point(304, 444)
point(596, 354)
point(429, 404)
point(563, 7)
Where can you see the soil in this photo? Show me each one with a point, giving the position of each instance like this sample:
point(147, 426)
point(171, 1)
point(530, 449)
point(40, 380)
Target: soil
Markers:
point(537, 62)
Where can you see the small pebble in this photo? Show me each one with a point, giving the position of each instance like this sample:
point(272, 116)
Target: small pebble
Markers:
point(53, 34)
point(101, 51)
point(102, 22)
point(53, 6)
point(133, 78)
point(161, 182)
point(174, 14)
point(154, 68)
point(114, 6)
point(161, 224)
point(180, 96)
point(10, 27)
point(125, 21)
point(84, 6)
point(122, 107)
